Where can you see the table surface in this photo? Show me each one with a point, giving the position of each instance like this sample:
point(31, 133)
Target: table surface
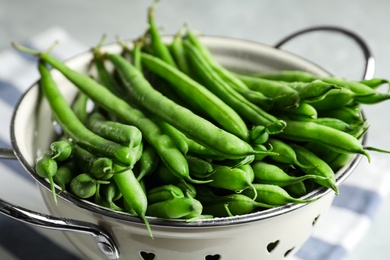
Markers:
point(265, 21)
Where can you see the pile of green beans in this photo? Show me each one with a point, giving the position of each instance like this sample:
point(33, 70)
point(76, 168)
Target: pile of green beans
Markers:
point(173, 134)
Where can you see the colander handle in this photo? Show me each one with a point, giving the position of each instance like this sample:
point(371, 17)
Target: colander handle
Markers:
point(369, 68)
point(104, 242)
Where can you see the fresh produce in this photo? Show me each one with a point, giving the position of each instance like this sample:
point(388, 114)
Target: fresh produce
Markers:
point(173, 134)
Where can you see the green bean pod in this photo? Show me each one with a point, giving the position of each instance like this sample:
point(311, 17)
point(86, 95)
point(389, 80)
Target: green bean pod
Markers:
point(284, 153)
point(350, 114)
point(303, 111)
point(61, 150)
point(318, 167)
point(158, 47)
point(148, 161)
point(283, 96)
point(312, 91)
point(84, 185)
point(268, 173)
point(72, 125)
point(199, 167)
point(221, 88)
point(79, 106)
point(335, 139)
point(47, 167)
point(65, 173)
point(288, 76)
point(115, 131)
point(178, 54)
point(233, 179)
point(232, 205)
point(176, 208)
point(164, 192)
point(273, 195)
point(374, 83)
point(132, 192)
point(181, 118)
point(200, 96)
point(163, 144)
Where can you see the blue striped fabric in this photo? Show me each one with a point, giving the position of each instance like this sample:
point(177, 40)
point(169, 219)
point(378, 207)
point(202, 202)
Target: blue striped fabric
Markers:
point(356, 205)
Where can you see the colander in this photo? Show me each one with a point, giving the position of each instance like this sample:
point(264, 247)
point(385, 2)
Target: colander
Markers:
point(269, 234)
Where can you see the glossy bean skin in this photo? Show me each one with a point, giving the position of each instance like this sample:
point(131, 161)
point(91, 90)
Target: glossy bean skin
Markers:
point(183, 119)
point(273, 195)
point(217, 85)
point(268, 173)
point(201, 97)
point(47, 167)
point(176, 208)
point(232, 205)
point(318, 167)
point(61, 150)
point(164, 192)
point(330, 137)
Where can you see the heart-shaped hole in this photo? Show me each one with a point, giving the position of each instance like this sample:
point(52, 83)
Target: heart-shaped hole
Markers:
point(147, 256)
point(288, 252)
point(213, 257)
point(271, 246)
point(315, 220)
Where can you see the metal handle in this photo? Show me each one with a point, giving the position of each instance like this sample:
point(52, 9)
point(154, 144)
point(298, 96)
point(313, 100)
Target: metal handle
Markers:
point(104, 242)
point(369, 68)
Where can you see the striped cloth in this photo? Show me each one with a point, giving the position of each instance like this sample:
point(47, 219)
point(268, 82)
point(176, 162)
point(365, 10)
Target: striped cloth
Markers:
point(339, 232)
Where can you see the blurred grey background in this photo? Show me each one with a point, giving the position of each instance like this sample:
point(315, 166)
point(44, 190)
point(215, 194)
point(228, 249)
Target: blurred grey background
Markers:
point(265, 21)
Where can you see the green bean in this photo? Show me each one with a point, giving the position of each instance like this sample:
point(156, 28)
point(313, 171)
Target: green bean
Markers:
point(101, 168)
point(158, 47)
point(72, 125)
point(335, 123)
point(47, 167)
point(296, 190)
point(254, 96)
point(330, 137)
point(183, 119)
point(176, 208)
point(169, 154)
point(285, 154)
point(232, 205)
point(79, 106)
point(65, 173)
point(105, 201)
point(374, 83)
point(350, 114)
point(312, 91)
point(188, 189)
point(178, 54)
point(233, 179)
point(259, 134)
point(137, 49)
point(319, 167)
point(273, 195)
point(84, 185)
point(365, 94)
point(304, 110)
point(132, 192)
point(219, 87)
point(148, 161)
point(199, 96)
point(199, 168)
point(164, 192)
point(283, 96)
point(287, 76)
point(104, 76)
point(61, 150)
point(115, 131)
point(177, 136)
point(268, 173)
point(335, 99)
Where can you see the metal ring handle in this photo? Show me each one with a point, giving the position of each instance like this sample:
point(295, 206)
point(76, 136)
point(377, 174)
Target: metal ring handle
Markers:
point(104, 242)
point(369, 68)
